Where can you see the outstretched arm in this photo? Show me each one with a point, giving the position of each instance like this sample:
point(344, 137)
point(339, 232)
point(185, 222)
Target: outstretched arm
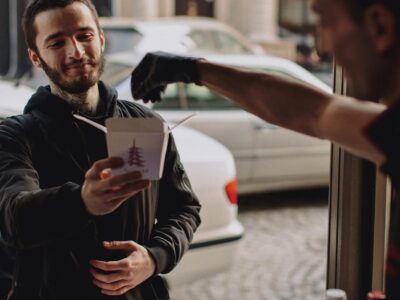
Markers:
point(297, 106)
point(285, 103)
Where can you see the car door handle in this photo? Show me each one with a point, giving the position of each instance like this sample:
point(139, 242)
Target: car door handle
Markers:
point(264, 126)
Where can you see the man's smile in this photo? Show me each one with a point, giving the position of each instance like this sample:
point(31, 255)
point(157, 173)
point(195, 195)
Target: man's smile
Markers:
point(79, 67)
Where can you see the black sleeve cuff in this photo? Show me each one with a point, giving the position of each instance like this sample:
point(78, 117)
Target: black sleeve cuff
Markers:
point(384, 132)
point(160, 257)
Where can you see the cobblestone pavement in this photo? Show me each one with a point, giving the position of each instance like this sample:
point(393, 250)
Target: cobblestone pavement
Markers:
point(281, 257)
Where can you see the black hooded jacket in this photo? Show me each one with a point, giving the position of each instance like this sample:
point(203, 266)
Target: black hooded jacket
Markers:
point(44, 155)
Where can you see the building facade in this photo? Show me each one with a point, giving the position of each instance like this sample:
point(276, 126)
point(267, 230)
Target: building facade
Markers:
point(257, 19)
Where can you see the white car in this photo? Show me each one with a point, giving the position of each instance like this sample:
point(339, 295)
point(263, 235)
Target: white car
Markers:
point(211, 170)
point(178, 34)
point(267, 157)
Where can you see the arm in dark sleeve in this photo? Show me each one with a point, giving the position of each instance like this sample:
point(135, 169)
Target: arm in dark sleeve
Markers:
point(177, 214)
point(31, 216)
point(384, 132)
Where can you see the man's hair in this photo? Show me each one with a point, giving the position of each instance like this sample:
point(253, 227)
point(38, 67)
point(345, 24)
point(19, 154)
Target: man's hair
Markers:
point(357, 8)
point(37, 6)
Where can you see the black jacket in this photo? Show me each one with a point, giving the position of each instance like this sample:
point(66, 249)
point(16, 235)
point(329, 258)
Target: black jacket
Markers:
point(44, 155)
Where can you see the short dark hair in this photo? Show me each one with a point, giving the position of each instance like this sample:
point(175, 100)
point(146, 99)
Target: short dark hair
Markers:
point(37, 6)
point(357, 8)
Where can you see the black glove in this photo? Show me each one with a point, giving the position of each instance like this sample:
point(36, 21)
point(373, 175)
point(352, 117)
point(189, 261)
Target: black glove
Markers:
point(157, 70)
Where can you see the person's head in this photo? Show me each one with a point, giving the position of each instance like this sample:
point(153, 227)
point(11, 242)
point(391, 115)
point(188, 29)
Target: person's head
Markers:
point(364, 37)
point(357, 9)
point(64, 38)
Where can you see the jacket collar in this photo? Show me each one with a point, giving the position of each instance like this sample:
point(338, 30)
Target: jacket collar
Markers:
point(59, 128)
point(51, 105)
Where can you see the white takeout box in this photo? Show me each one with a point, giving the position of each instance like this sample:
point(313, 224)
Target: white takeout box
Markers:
point(141, 142)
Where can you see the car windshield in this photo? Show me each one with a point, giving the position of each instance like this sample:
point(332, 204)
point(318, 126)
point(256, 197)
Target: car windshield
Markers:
point(115, 73)
point(193, 97)
point(121, 39)
point(217, 41)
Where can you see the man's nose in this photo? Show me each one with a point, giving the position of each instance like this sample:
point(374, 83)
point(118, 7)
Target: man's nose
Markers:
point(75, 50)
point(323, 43)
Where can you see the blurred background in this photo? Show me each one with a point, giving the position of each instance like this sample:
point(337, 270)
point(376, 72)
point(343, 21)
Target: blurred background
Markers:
point(283, 28)
point(265, 207)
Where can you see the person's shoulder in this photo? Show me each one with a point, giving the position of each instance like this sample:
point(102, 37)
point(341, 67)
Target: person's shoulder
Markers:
point(18, 128)
point(18, 122)
point(133, 109)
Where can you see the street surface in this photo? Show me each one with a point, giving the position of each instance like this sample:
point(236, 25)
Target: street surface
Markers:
point(282, 255)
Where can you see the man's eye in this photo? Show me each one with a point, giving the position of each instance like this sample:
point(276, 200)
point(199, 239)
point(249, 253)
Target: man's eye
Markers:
point(56, 44)
point(85, 37)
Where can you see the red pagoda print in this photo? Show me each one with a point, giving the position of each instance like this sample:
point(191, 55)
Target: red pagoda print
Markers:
point(135, 156)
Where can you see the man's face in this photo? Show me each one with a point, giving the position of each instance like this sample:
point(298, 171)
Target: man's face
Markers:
point(69, 47)
point(348, 42)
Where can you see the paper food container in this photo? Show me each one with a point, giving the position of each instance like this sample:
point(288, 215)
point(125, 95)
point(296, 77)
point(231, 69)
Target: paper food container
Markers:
point(141, 142)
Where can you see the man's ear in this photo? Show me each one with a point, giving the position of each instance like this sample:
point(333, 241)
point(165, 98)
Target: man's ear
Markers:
point(34, 57)
point(381, 27)
point(102, 40)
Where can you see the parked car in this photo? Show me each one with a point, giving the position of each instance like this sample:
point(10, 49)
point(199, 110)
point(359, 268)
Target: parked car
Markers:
point(179, 34)
point(211, 170)
point(267, 157)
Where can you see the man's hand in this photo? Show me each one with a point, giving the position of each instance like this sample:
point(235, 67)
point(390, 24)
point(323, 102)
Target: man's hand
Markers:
point(125, 274)
point(157, 70)
point(103, 193)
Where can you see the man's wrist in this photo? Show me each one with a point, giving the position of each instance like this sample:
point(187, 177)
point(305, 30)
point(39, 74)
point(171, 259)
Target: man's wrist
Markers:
point(199, 63)
point(188, 69)
point(153, 261)
point(160, 258)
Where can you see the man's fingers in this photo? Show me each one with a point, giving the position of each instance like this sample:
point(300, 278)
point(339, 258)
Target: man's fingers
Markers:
point(155, 95)
point(118, 292)
point(120, 245)
point(110, 266)
point(124, 178)
point(110, 277)
point(127, 190)
point(145, 87)
point(147, 81)
point(139, 75)
point(114, 286)
point(100, 165)
point(105, 174)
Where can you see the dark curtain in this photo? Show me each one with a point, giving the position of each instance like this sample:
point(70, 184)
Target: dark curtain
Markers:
point(4, 37)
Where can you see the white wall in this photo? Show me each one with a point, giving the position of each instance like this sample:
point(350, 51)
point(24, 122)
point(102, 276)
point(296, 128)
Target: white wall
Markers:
point(256, 18)
point(293, 13)
point(166, 8)
point(143, 9)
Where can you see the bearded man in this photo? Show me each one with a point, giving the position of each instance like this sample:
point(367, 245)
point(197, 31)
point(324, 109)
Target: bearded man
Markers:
point(71, 228)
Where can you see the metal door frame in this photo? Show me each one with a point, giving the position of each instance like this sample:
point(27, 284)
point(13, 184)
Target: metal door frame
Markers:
point(358, 210)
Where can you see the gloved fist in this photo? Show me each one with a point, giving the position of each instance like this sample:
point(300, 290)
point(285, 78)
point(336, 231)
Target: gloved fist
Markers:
point(157, 70)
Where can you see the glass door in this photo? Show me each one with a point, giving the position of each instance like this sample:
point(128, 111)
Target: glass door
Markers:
point(357, 220)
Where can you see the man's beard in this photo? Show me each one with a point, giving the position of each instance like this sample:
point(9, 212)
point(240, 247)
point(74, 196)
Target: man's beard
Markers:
point(82, 82)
